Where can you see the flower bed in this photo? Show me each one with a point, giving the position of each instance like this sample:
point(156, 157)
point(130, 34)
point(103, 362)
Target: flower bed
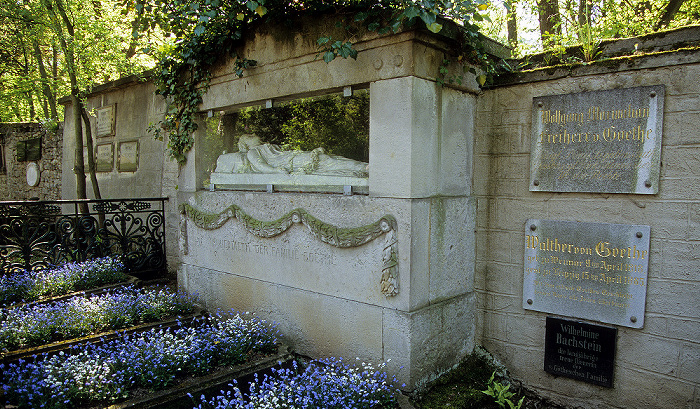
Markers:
point(90, 374)
point(34, 285)
point(32, 325)
point(323, 384)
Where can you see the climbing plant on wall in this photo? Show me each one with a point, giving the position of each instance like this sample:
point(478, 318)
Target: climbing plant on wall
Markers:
point(206, 29)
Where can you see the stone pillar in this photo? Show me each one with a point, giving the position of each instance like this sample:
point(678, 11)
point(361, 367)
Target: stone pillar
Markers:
point(420, 157)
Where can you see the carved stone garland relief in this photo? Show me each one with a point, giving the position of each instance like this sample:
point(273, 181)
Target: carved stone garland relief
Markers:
point(335, 236)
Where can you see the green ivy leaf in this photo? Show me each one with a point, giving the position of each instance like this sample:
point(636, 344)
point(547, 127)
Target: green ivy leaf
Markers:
point(328, 56)
point(261, 11)
point(411, 12)
point(435, 27)
point(361, 16)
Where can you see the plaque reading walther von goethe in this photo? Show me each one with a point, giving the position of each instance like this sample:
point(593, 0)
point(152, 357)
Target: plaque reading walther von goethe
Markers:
point(580, 351)
point(601, 141)
point(593, 271)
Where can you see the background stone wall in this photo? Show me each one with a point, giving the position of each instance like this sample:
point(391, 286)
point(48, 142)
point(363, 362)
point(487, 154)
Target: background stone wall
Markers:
point(657, 366)
point(13, 183)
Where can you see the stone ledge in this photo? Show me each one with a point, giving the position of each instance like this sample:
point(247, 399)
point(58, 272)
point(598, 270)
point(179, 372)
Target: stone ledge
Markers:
point(288, 182)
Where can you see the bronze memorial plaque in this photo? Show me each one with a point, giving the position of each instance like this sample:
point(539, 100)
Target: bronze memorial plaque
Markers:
point(601, 141)
point(594, 271)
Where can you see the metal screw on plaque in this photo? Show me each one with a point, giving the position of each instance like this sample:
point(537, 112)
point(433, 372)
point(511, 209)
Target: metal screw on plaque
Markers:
point(540, 104)
point(647, 183)
point(633, 318)
point(536, 182)
point(653, 94)
point(533, 227)
point(639, 234)
point(529, 301)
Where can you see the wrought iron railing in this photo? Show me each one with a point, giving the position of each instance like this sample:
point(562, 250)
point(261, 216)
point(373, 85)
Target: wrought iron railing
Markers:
point(38, 234)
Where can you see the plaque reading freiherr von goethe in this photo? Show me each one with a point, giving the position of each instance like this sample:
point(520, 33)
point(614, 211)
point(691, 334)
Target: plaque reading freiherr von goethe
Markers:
point(593, 271)
point(601, 141)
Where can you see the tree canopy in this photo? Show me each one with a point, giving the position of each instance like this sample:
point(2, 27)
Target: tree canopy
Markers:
point(541, 25)
point(34, 66)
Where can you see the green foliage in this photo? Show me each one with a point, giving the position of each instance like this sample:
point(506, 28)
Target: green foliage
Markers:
point(339, 125)
point(585, 23)
point(501, 394)
point(30, 42)
point(207, 29)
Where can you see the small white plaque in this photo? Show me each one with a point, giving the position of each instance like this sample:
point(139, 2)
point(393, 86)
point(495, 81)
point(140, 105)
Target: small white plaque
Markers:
point(104, 157)
point(128, 160)
point(105, 120)
point(33, 174)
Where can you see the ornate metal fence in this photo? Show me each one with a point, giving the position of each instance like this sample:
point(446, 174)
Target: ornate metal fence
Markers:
point(37, 234)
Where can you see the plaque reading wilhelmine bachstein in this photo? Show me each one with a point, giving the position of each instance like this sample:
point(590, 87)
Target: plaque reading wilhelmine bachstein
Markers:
point(601, 141)
point(594, 271)
point(580, 351)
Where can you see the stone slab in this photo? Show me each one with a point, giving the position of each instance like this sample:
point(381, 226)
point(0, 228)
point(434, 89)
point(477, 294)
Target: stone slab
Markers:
point(594, 271)
point(104, 157)
point(287, 182)
point(580, 351)
point(602, 141)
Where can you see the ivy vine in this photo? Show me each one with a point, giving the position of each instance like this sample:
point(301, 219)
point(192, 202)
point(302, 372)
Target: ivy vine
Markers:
point(206, 29)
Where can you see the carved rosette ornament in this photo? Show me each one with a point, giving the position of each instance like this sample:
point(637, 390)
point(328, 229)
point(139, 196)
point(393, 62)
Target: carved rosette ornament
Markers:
point(342, 237)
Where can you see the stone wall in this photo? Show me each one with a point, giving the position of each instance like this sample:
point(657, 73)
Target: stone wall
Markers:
point(134, 106)
point(13, 183)
point(656, 366)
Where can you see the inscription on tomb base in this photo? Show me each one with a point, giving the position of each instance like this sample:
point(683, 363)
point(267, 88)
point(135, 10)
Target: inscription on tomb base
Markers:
point(580, 351)
point(601, 141)
point(594, 271)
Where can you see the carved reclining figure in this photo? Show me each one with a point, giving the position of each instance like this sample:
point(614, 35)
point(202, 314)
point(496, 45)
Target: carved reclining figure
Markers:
point(254, 156)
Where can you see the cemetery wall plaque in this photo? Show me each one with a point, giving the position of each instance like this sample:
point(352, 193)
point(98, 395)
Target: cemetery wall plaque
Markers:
point(601, 141)
point(593, 271)
point(580, 351)
point(104, 157)
point(128, 156)
point(105, 120)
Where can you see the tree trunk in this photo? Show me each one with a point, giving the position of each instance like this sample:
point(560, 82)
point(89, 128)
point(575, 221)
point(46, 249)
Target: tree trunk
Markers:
point(135, 25)
point(512, 23)
point(550, 20)
point(80, 183)
point(584, 12)
point(81, 188)
point(45, 82)
point(669, 12)
point(90, 154)
point(28, 93)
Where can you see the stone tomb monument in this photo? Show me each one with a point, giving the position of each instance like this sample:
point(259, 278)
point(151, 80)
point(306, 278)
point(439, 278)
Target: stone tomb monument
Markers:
point(386, 275)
